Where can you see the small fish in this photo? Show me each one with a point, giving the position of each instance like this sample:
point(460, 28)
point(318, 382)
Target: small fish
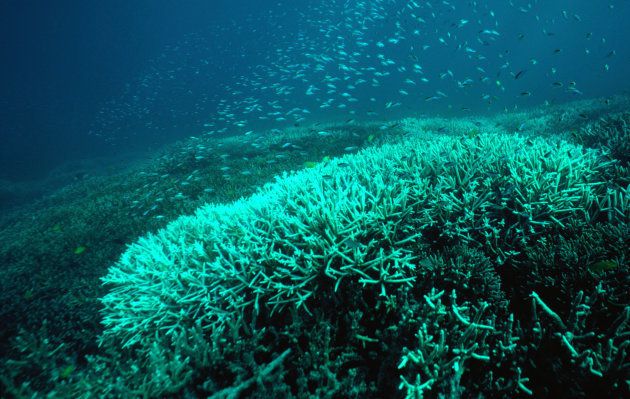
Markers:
point(519, 74)
point(67, 371)
point(352, 244)
point(603, 266)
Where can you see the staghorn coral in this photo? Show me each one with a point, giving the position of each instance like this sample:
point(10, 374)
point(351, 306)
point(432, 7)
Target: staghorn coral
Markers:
point(611, 133)
point(342, 244)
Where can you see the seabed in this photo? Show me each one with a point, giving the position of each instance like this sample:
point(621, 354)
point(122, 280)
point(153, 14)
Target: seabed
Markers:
point(421, 257)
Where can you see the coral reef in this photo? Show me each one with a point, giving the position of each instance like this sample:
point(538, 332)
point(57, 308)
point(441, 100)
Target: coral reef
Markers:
point(450, 257)
point(349, 243)
point(610, 133)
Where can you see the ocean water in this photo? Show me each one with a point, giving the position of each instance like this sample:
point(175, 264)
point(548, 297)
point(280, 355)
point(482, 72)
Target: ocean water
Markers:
point(374, 198)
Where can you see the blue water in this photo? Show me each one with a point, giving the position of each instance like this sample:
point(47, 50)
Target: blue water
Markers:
point(89, 79)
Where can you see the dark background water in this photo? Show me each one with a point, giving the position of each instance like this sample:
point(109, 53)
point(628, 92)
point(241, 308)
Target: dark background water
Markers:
point(90, 79)
point(64, 60)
